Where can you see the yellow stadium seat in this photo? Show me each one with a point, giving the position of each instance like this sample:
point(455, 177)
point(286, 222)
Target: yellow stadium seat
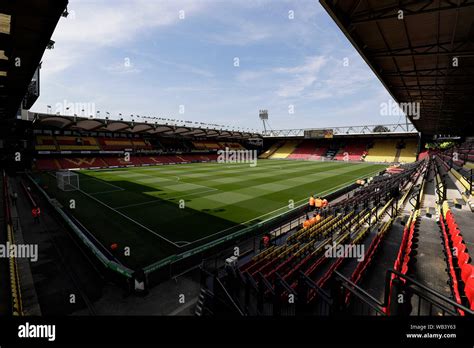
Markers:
point(285, 150)
point(408, 153)
point(383, 150)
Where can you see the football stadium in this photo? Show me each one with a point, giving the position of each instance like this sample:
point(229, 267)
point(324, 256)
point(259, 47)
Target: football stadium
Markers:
point(105, 214)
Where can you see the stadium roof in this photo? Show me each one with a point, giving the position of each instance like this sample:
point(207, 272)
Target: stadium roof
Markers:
point(77, 123)
point(25, 31)
point(387, 130)
point(413, 57)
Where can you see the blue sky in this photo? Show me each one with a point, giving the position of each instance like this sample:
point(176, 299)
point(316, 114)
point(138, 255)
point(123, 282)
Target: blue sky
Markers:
point(160, 57)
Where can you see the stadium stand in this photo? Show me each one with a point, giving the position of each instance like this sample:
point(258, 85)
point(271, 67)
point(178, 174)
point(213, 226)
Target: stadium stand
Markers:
point(89, 143)
point(423, 154)
point(285, 150)
point(352, 151)
point(66, 143)
point(81, 162)
point(271, 150)
point(383, 150)
point(47, 164)
point(207, 145)
point(115, 143)
point(172, 144)
point(408, 152)
point(45, 142)
point(120, 161)
point(233, 146)
point(141, 144)
point(457, 254)
point(307, 150)
point(303, 150)
point(349, 149)
point(332, 150)
point(52, 164)
point(459, 165)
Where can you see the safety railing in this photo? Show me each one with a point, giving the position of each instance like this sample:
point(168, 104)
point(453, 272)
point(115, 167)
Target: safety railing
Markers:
point(15, 287)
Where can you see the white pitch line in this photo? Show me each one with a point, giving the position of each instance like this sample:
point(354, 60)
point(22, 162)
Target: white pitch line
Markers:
point(101, 192)
point(103, 182)
point(165, 199)
point(130, 219)
point(183, 242)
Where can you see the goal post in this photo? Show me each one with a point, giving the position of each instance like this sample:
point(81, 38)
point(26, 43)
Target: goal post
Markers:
point(67, 181)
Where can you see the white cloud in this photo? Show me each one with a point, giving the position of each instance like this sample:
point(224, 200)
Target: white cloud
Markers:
point(99, 23)
point(153, 59)
point(301, 76)
point(126, 67)
point(250, 75)
point(92, 26)
point(242, 33)
point(340, 80)
point(324, 77)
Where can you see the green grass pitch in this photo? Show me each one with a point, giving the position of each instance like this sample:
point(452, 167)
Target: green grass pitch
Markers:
point(157, 211)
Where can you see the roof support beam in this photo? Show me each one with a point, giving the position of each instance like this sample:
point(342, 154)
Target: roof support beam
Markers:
point(408, 9)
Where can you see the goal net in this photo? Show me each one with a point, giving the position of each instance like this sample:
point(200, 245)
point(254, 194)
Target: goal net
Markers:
point(67, 181)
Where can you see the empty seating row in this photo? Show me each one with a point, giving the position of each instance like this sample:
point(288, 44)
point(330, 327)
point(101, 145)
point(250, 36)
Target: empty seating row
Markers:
point(405, 252)
point(49, 163)
point(285, 150)
point(297, 255)
point(271, 150)
point(308, 150)
point(45, 142)
point(461, 174)
point(305, 232)
point(112, 144)
point(67, 143)
point(408, 152)
point(215, 145)
point(273, 260)
point(361, 268)
point(85, 162)
point(89, 143)
point(207, 145)
point(257, 258)
point(460, 155)
point(355, 151)
point(458, 257)
point(449, 259)
point(382, 151)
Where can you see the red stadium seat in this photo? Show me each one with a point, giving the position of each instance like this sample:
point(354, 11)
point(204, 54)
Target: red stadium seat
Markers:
point(469, 291)
point(463, 258)
point(467, 271)
point(457, 251)
point(453, 231)
point(457, 240)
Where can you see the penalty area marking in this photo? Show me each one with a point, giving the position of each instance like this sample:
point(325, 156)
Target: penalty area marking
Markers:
point(102, 182)
point(102, 192)
point(126, 217)
point(130, 219)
